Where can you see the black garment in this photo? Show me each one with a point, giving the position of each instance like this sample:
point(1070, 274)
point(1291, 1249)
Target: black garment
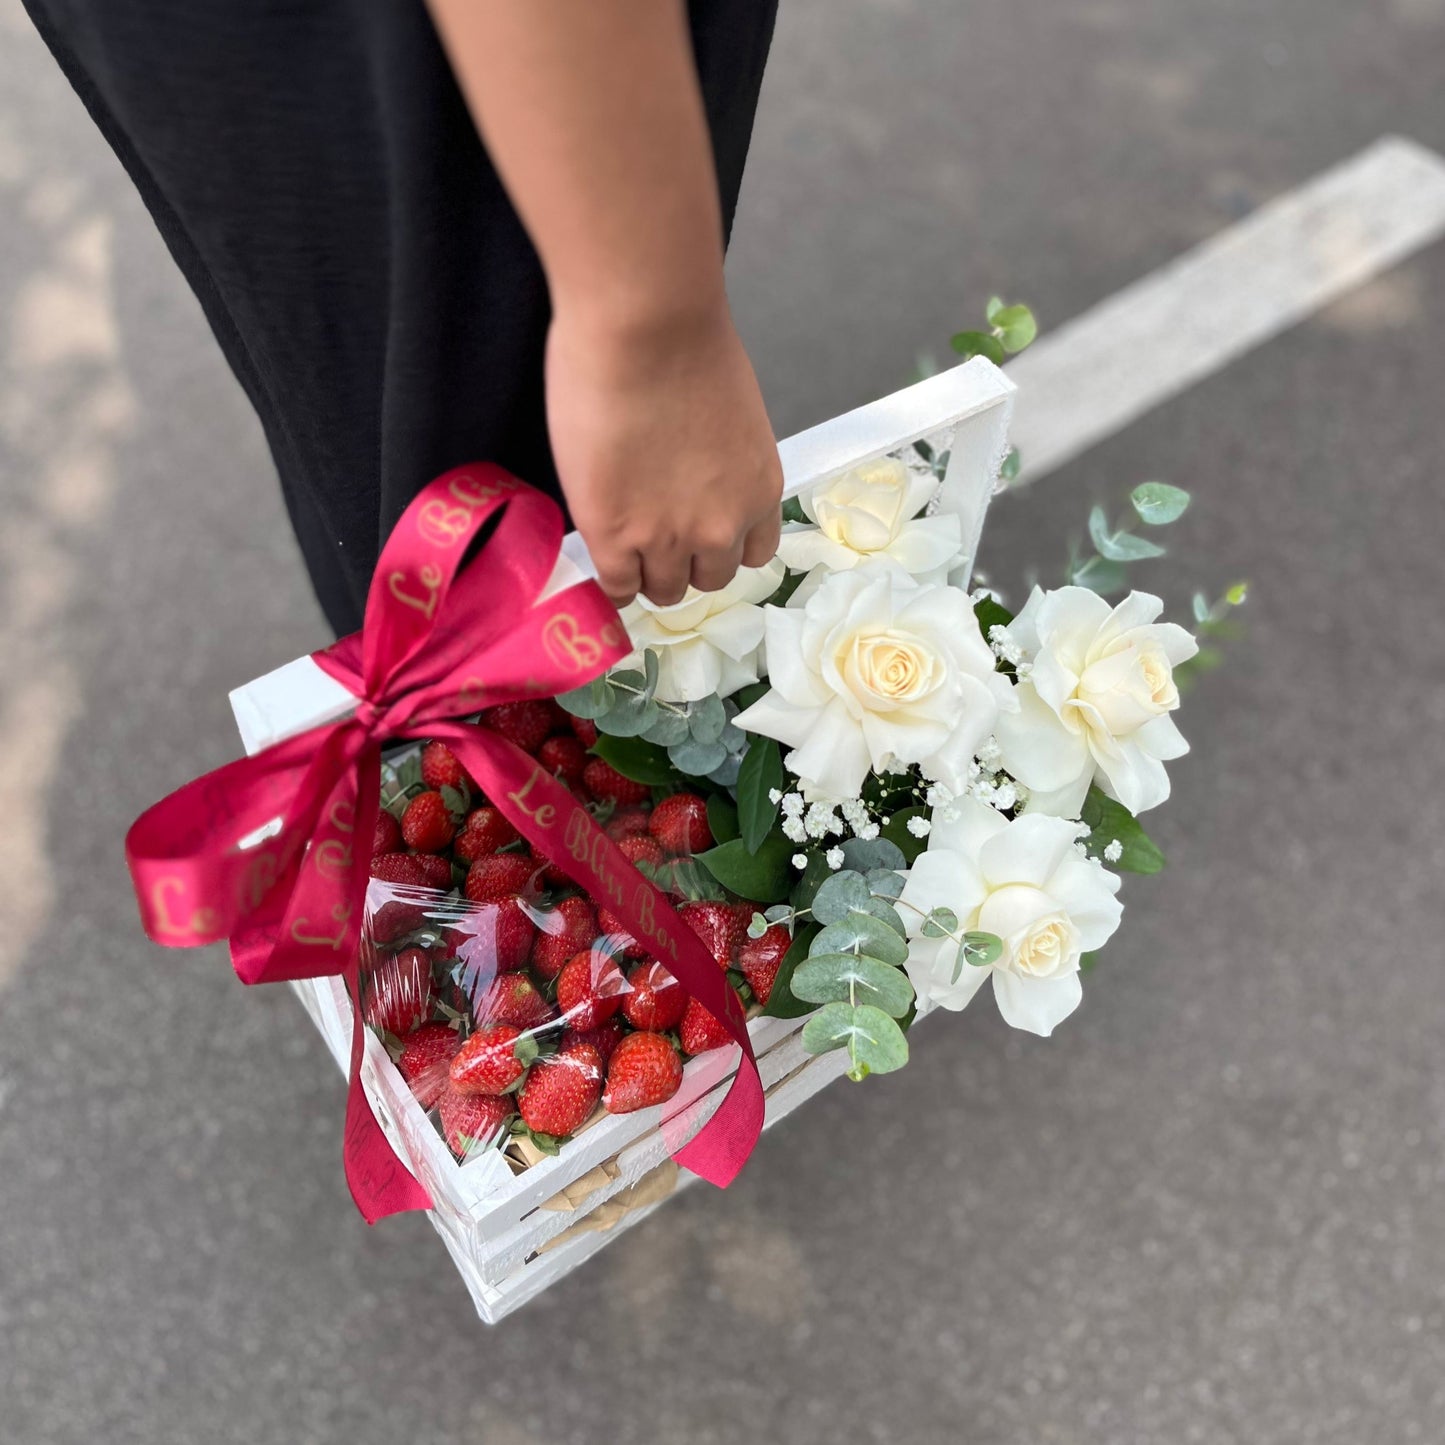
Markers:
point(315, 173)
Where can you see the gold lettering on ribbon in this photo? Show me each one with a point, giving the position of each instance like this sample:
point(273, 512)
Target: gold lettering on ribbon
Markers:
point(472, 695)
point(475, 492)
point(442, 525)
point(544, 815)
point(343, 816)
point(203, 920)
point(333, 858)
point(431, 580)
point(569, 646)
point(340, 915)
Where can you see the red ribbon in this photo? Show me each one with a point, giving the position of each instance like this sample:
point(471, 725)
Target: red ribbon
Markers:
point(445, 634)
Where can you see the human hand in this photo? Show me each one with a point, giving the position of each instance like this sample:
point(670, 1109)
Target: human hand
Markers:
point(664, 450)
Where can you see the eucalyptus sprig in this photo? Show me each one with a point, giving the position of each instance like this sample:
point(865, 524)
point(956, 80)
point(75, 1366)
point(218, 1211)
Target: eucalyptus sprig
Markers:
point(1154, 504)
point(1009, 330)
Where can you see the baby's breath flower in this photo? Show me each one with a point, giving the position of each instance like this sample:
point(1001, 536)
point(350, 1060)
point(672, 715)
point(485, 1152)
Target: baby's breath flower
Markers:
point(794, 831)
point(1113, 851)
point(800, 861)
point(834, 857)
point(920, 827)
point(775, 796)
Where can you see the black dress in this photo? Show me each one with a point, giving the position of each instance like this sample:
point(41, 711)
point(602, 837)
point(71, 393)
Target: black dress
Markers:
point(316, 175)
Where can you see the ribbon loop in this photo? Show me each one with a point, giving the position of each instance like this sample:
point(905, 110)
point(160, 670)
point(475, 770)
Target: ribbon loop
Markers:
point(273, 851)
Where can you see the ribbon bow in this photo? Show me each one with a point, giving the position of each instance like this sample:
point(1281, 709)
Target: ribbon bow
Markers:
point(273, 851)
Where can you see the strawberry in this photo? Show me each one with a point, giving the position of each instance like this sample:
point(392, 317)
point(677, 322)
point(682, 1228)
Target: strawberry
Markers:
point(604, 1038)
point(441, 768)
point(472, 1121)
point(638, 848)
point(619, 940)
point(528, 724)
point(387, 838)
point(425, 1055)
point(701, 1031)
point(487, 1063)
point(498, 876)
point(679, 823)
point(626, 822)
point(644, 1070)
point(565, 930)
point(396, 996)
point(720, 926)
point(561, 1091)
point(498, 938)
point(513, 999)
point(584, 729)
point(590, 988)
point(391, 919)
point(403, 868)
point(436, 870)
point(427, 825)
point(565, 757)
point(603, 781)
point(484, 831)
point(654, 1000)
point(759, 959)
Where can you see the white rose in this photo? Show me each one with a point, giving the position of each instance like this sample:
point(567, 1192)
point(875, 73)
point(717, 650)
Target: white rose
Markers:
point(709, 642)
point(872, 670)
point(872, 511)
point(1096, 701)
point(1023, 881)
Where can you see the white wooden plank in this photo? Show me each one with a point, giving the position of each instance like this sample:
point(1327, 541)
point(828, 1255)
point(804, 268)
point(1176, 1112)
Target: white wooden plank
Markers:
point(1147, 343)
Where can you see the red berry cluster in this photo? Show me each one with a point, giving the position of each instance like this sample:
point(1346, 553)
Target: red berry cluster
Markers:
point(510, 1000)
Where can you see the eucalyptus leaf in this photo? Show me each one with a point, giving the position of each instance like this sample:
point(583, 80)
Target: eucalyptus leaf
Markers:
point(1017, 325)
point(874, 1041)
point(813, 877)
point(725, 775)
point(862, 933)
point(588, 702)
point(1101, 576)
point(884, 883)
point(669, 728)
point(843, 893)
point(885, 912)
point(706, 719)
point(940, 923)
point(697, 759)
point(1126, 547)
point(983, 949)
point(651, 667)
point(793, 510)
point(1011, 465)
point(1158, 504)
point(865, 854)
point(629, 717)
point(835, 977)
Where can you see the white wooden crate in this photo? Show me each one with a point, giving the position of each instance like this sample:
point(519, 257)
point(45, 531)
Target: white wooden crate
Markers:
point(507, 1244)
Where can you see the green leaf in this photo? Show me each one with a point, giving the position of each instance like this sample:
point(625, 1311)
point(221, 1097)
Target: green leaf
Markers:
point(991, 311)
point(641, 761)
point(764, 876)
point(874, 1041)
point(722, 819)
point(885, 883)
point(547, 1143)
point(1237, 594)
point(1087, 961)
point(1109, 820)
point(982, 949)
point(923, 449)
point(793, 510)
point(1101, 576)
point(812, 879)
point(978, 343)
point(707, 718)
point(1119, 546)
point(940, 923)
point(782, 1003)
point(1011, 465)
point(840, 895)
point(651, 668)
point(456, 800)
point(896, 831)
point(836, 977)
point(697, 759)
point(883, 910)
point(991, 613)
point(590, 701)
point(1201, 607)
point(1158, 504)
point(760, 775)
point(526, 1049)
point(1017, 325)
point(862, 933)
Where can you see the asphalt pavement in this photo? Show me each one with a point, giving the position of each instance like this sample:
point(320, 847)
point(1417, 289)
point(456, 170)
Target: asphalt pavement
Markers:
point(1208, 1210)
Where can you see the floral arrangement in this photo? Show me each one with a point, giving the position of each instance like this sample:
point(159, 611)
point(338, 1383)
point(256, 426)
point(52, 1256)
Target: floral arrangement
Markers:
point(869, 790)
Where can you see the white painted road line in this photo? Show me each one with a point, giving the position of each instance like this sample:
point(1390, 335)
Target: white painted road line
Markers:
point(1161, 335)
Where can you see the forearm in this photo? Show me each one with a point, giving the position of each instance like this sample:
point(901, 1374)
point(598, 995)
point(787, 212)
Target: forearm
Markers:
point(592, 115)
